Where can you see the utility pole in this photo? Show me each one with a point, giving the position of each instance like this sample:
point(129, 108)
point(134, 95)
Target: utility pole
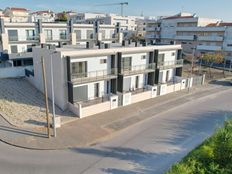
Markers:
point(45, 95)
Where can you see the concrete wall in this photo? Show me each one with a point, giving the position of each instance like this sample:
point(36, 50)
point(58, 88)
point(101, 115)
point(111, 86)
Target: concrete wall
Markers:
point(140, 97)
point(10, 72)
point(95, 109)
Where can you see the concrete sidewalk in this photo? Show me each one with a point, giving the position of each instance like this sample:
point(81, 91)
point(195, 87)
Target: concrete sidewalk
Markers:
point(90, 130)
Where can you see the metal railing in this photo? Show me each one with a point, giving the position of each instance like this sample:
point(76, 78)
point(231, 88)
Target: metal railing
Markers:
point(138, 69)
point(170, 64)
point(94, 75)
point(26, 38)
point(94, 101)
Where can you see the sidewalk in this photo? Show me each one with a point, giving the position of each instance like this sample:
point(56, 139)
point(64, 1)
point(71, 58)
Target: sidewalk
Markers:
point(90, 130)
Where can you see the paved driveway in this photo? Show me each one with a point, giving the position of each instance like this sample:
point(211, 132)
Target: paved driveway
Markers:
point(148, 147)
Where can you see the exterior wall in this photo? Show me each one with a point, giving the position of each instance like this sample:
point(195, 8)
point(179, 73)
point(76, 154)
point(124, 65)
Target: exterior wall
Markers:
point(10, 72)
point(60, 75)
point(95, 109)
point(140, 97)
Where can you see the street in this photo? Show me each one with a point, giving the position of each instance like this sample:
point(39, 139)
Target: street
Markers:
point(151, 146)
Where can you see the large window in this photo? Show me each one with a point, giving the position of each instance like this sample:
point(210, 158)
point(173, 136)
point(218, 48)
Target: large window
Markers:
point(14, 49)
point(79, 69)
point(78, 34)
point(30, 34)
point(48, 34)
point(89, 34)
point(13, 35)
point(126, 63)
point(63, 34)
point(161, 58)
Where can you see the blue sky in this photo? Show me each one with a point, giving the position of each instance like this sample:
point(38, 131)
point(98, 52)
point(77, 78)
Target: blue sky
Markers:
point(205, 8)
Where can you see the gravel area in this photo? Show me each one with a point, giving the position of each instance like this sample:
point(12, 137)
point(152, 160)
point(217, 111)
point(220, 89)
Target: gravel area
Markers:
point(23, 105)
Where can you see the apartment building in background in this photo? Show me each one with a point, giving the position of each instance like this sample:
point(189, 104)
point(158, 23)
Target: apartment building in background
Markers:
point(15, 14)
point(94, 80)
point(17, 39)
point(43, 16)
point(192, 32)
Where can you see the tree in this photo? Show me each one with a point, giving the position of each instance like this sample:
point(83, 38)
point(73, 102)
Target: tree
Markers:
point(62, 17)
point(212, 58)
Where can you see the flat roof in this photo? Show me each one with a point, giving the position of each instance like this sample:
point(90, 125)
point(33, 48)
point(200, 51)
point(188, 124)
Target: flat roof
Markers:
point(80, 52)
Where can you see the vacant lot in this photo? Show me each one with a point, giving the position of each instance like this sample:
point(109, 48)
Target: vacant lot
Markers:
point(23, 105)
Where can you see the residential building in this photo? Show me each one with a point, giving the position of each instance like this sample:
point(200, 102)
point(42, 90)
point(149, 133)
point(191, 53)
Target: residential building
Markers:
point(82, 17)
point(90, 81)
point(44, 16)
point(17, 39)
point(204, 34)
point(16, 14)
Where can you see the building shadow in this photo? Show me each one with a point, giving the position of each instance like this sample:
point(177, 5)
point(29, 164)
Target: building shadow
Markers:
point(13, 130)
point(221, 82)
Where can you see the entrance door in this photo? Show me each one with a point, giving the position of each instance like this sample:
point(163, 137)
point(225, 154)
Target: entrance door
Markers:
point(167, 76)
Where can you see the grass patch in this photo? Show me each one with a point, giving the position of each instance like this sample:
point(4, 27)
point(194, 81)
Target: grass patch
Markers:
point(213, 156)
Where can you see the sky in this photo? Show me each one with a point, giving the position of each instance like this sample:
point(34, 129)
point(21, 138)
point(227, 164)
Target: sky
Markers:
point(221, 9)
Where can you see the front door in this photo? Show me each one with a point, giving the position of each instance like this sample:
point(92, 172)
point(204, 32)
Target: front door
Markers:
point(96, 90)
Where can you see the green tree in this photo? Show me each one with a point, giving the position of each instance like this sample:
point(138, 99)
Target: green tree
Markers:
point(212, 58)
point(62, 17)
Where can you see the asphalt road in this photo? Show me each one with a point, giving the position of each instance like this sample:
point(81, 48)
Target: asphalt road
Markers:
point(151, 146)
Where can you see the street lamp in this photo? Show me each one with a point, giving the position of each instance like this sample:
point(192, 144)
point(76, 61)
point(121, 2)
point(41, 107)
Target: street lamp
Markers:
point(53, 96)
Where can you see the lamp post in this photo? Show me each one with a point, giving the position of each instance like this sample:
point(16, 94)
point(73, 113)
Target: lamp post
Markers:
point(53, 97)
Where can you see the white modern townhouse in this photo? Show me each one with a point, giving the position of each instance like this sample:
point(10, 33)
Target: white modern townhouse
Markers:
point(92, 80)
point(17, 40)
point(192, 32)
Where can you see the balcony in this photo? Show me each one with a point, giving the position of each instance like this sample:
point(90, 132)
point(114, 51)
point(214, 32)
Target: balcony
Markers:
point(209, 48)
point(170, 64)
point(139, 69)
point(184, 37)
point(23, 39)
point(210, 38)
point(80, 78)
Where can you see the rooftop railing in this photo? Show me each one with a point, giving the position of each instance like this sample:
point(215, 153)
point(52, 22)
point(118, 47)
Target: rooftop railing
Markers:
point(170, 64)
point(94, 76)
point(138, 69)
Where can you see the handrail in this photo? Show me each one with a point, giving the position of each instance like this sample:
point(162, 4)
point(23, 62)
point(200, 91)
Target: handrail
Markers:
point(138, 68)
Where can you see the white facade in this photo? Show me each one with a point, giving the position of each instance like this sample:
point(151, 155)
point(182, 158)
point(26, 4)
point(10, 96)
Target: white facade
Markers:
point(16, 14)
point(106, 78)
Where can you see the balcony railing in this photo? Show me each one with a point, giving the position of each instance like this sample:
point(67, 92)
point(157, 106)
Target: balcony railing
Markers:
point(138, 69)
point(170, 64)
point(85, 77)
point(94, 101)
point(23, 39)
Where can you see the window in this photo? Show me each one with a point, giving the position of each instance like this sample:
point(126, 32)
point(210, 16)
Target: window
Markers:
point(29, 48)
point(48, 34)
point(14, 49)
point(102, 61)
point(13, 35)
point(78, 34)
point(229, 45)
point(161, 57)
point(30, 34)
point(28, 62)
point(89, 34)
point(63, 34)
point(126, 63)
point(173, 53)
point(79, 69)
point(17, 63)
point(103, 32)
point(143, 57)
